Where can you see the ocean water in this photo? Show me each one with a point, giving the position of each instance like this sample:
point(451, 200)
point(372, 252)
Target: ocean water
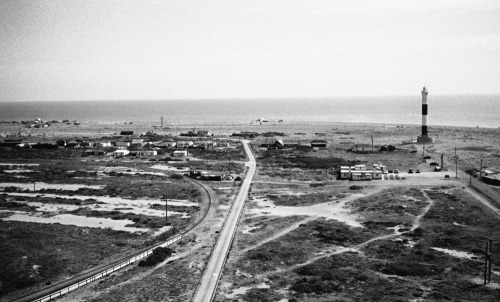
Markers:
point(462, 110)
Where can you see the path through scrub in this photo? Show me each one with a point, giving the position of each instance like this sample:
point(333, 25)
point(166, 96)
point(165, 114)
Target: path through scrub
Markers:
point(358, 248)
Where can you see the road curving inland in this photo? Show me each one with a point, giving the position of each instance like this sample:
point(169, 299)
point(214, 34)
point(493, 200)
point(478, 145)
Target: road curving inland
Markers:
point(208, 284)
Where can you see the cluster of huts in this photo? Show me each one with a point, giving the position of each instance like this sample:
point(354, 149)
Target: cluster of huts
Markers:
point(360, 172)
point(120, 146)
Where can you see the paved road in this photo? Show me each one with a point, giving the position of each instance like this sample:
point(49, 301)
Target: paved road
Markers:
point(210, 279)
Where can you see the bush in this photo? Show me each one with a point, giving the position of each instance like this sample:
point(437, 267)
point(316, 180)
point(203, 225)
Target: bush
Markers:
point(159, 255)
point(355, 187)
point(176, 176)
point(314, 285)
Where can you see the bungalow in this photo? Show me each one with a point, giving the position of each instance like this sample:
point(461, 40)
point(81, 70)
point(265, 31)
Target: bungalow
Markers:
point(184, 144)
point(144, 153)
point(319, 143)
point(204, 144)
point(268, 142)
point(484, 172)
point(166, 145)
point(125, 144)
point(72, 144)
point(137, 142)
point(207, 175)
point(291, 144)
point(180, 153)
point(213, 176)
point(190, 133)
point(95, 152)
point(120, 153)
point(104, 144)
point(203, 133)
point(361, 175)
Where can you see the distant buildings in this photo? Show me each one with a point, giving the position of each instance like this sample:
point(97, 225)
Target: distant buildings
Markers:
point(318, 143)
point(359, 172)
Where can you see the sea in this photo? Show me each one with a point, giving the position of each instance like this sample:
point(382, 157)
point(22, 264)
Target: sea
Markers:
point(444, 110)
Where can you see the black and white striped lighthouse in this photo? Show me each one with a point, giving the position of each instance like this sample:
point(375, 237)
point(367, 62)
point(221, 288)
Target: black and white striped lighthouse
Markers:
point(424, 139)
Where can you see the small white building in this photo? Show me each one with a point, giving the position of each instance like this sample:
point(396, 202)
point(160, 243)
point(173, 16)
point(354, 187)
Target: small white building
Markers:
point(122, 144)
point(145, 153)
point(120, 153)
point(180, 153)
point(104, 144)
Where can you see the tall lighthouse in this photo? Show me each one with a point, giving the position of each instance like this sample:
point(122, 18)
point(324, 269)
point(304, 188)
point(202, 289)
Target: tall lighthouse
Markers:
point(424, 138)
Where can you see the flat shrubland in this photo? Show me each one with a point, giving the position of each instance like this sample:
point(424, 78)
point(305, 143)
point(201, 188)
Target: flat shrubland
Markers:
point(37, 254)
point(399, 268)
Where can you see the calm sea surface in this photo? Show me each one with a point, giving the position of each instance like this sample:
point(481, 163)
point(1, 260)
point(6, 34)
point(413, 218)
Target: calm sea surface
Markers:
point(464, 110)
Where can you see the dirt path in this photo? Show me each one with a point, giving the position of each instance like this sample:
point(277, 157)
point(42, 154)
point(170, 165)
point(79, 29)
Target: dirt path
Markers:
point(278, 234)
point(358, 247)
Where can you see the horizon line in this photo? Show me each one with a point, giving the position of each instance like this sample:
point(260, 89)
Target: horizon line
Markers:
point(248, 98)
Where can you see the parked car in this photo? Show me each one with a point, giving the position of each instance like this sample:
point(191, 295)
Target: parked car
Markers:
point(391, 171)
point(391, 176)
point(396, 171)
point(397, 176)
point(410, 171)
point(385, 177)
point(418, 171)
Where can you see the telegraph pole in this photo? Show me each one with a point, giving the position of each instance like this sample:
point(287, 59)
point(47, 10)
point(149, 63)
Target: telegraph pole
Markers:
point(456, 163)
point(487, 262)
point(166, 208)
point(481, 169)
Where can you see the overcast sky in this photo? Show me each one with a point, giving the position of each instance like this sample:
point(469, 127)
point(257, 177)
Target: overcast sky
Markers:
point(103, 50)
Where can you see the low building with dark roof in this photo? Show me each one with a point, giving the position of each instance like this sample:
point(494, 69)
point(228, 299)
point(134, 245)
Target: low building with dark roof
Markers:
point(319, 143)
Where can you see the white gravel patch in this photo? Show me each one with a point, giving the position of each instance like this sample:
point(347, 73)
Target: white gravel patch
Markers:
point(134, 206)
point(81, 221)
point(330, 210)
point(14, 164)
point(42, 185)
point(454, 253)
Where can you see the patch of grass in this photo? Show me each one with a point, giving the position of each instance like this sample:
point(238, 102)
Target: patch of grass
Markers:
point(32, 255)
point(261, 295)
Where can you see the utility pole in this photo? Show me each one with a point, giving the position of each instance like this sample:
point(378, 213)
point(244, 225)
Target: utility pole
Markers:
point(456, 163)
point(166, 208)
point(481, 169)
point(34, 190)
point(487, 262)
